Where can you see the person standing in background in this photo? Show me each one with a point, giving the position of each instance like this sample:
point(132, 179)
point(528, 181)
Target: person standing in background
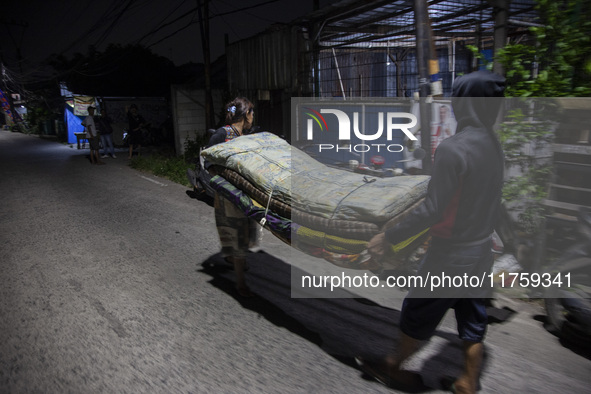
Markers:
point(103, 124)
point(92, 136)
point(136, 124)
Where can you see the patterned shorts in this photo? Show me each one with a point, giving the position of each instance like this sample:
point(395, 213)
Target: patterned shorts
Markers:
point(234, 228)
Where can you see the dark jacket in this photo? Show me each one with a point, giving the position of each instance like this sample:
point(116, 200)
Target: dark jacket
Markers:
point(103, 124)
point(219, 136)
point(464, 193)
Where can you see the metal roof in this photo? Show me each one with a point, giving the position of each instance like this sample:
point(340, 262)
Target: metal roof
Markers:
point(379, 23)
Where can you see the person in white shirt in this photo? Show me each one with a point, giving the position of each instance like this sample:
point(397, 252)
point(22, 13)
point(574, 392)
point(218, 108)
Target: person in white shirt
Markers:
point(92, 136)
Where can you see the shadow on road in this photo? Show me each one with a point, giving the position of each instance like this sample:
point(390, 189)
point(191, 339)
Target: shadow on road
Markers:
point(201, 197)
point(342, 327)
point(570, 339)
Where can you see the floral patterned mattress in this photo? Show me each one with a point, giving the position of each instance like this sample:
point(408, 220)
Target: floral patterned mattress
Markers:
point(294, 178)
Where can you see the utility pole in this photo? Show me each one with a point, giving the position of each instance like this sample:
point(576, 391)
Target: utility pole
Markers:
point(501, 15)
point(315, 29)
point(423, 61)
point(204, 27)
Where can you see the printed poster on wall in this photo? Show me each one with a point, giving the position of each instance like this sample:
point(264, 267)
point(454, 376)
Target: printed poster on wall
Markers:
point(443, 125)
point(81, 104)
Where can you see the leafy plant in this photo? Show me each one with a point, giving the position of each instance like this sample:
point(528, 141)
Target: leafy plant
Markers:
point(36, 116)
point(482, 60)
point(173, 168)
point(193, 146)
point(557, 63)
point(524, 142)
point(170, 166)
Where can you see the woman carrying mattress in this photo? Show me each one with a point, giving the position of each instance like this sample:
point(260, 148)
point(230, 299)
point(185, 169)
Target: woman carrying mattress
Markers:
point(234, 228)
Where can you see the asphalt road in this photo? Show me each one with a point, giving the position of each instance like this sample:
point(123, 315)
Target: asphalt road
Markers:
point(110, 282)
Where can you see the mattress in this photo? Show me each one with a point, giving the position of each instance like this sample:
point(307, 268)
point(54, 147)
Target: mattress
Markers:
point(306, 185)
point(323, 211)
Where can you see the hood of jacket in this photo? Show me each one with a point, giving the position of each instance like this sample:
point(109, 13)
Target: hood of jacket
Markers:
point(476, 99)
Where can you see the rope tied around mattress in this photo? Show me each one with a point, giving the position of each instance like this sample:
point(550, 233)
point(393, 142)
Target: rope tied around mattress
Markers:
point(366, 181)
point(264, 219)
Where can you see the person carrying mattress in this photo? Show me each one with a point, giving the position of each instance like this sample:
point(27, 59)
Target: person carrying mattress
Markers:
point(234, 228)
point(461, 206)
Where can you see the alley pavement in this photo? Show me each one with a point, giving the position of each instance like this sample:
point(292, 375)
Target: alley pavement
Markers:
point(111, 282)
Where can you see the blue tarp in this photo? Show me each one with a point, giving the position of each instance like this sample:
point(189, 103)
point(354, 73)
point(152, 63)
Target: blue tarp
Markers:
point(73, 124)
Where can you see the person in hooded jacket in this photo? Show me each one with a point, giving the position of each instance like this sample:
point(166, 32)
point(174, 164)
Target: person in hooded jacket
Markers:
point(461, 207)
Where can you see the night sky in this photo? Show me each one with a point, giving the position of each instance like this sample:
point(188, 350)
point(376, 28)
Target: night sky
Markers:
point(67, 26)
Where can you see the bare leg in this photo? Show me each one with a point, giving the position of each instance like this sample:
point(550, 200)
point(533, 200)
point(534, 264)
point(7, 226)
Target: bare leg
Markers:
point(239, 265)
point(97, 157)
point(388, 371)
point(468, 381)
point(407, 347)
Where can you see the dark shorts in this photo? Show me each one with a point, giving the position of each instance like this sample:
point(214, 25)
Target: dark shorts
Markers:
point(423, 309)
point(93, 142)
point(421, 316)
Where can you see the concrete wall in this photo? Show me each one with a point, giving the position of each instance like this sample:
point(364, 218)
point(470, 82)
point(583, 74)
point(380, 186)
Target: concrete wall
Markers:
point(188, 108)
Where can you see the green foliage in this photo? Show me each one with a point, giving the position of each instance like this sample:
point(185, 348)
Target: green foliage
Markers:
point(173, 168)
point(36, 116)
point(523, 141)
point(557, 64)
point(193, 146)
point(482, 60)
point(170, 166)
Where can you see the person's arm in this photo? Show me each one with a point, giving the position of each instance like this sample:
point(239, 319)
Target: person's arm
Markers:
point(87, 126)
point(445, 184)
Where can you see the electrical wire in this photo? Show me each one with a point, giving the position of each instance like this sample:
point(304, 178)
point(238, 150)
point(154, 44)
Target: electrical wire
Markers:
point(111, 17)
point(210, 18)
point(229, 25)
point(160, 24)
point(109, 29)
